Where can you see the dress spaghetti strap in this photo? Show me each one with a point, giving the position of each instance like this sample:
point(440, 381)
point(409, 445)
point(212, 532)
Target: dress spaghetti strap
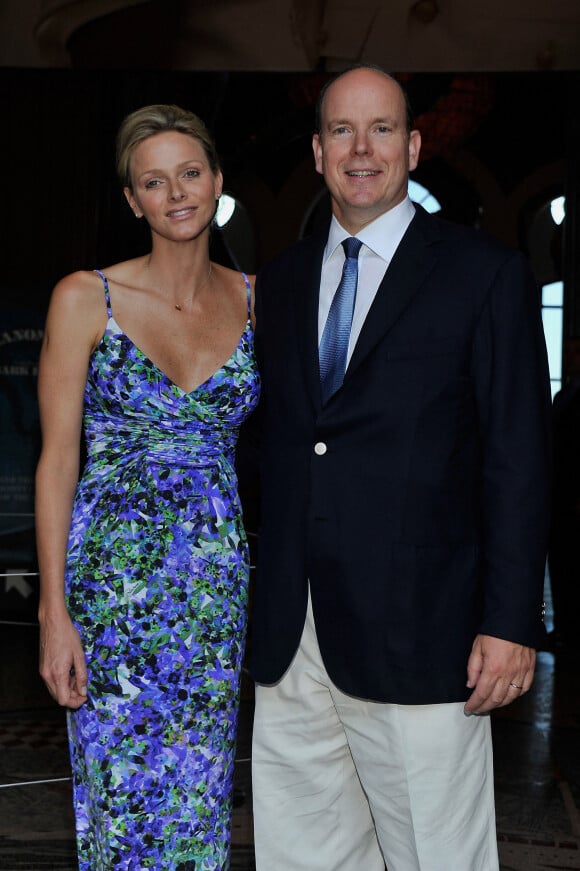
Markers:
point(248, 294)
point(107, 293)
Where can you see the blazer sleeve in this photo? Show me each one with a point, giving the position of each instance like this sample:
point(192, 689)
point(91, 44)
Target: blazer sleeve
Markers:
point(511, 376)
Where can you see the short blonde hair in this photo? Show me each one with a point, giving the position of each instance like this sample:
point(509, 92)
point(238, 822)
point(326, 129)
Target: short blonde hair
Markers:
point(159, 118)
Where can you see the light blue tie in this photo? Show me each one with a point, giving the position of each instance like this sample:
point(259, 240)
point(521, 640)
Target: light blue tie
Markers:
point(334, 343)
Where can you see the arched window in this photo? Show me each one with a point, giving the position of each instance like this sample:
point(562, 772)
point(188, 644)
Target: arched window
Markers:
point(553, 321)
point(419, 194)
point(234, 242)
point(544, 243)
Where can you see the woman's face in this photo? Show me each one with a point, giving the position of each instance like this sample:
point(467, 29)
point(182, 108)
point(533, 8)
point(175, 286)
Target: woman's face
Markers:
point(173, 186)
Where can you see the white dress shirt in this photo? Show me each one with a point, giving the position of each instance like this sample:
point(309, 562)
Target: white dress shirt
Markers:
point(380, 240)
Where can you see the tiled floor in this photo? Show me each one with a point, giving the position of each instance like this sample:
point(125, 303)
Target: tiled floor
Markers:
point(537, 760)
point(537, 771)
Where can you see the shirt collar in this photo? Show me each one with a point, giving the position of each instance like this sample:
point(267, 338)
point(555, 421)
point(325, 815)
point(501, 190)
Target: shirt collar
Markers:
point(382, 235)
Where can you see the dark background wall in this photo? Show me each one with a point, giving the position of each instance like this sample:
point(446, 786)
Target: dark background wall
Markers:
point(496, 145)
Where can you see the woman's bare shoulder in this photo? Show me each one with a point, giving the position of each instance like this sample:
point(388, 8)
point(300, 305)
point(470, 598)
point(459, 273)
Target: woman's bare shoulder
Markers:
point(235, 281)
point(82, 288)
point(86, 287)
point(234, 275)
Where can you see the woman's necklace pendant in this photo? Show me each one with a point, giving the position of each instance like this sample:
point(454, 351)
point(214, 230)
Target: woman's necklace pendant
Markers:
point(177, 305)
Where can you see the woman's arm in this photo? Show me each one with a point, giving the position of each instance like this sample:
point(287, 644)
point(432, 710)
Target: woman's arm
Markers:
point(75, 322)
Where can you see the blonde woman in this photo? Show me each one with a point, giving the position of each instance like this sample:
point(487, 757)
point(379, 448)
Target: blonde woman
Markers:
point(143, 562)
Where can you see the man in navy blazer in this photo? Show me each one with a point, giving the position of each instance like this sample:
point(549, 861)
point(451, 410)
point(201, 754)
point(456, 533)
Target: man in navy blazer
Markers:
point(403, 521)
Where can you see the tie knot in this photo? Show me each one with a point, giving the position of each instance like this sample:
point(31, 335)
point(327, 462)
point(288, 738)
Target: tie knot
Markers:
point(351, 246)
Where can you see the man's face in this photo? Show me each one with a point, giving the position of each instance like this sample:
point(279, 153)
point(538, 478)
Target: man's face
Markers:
point(363, 148)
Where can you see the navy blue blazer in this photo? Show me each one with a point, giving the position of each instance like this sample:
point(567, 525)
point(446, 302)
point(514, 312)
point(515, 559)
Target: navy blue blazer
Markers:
point(415, 502)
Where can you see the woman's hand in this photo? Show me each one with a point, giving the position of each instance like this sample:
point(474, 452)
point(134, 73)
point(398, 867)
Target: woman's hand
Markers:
point(62, 661)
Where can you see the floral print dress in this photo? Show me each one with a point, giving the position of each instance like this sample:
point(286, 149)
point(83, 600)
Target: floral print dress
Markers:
point(156, 583)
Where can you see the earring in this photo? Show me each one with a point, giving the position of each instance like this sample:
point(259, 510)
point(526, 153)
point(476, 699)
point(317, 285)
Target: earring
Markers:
point(137, 215)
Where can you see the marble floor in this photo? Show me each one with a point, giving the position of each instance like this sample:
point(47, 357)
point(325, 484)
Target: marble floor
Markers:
point(536, 746)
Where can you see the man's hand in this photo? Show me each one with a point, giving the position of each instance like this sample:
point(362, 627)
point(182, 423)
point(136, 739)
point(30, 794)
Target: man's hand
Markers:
point(499, 672)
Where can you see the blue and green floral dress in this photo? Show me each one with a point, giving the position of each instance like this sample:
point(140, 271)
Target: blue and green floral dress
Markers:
point(156, 583)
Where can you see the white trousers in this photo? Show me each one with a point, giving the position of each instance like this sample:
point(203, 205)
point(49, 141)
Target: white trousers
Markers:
point(342, 784)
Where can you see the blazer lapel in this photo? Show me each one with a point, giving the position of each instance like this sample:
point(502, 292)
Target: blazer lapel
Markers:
point(411, 263)
point(306, 287)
